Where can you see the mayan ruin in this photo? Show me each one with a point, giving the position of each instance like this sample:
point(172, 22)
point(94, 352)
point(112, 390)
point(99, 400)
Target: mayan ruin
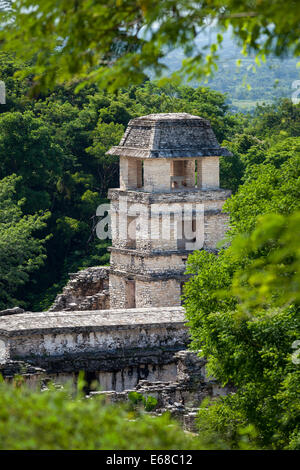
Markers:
point(149, 229)
point(123, 324)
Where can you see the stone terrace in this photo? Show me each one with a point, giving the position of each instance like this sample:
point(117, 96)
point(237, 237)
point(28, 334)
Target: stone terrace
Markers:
point(88, 321)
point(101, 335)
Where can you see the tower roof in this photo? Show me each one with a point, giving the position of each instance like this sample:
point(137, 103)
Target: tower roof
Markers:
point(169, 135)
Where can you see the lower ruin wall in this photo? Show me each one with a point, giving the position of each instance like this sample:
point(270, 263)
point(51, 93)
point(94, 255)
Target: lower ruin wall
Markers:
point(179, 385)
point(143, 350)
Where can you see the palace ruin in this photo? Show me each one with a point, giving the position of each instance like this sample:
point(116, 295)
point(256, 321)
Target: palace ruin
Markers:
point(123, 324)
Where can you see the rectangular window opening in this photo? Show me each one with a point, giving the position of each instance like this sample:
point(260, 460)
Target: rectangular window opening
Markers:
point(130, 293)
point(140, 174)
point(131, 232)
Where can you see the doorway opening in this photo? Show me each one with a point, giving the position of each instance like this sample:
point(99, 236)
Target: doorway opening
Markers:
point(130, 293)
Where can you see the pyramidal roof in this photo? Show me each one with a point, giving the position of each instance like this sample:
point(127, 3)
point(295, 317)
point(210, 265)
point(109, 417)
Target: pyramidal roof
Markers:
point(167, 117)
point(169, 135)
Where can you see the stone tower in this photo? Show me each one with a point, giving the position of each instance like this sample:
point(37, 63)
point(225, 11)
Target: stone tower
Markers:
point(168, 204)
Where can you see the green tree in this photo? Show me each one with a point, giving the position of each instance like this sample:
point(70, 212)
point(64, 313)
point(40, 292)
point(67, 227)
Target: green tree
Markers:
point(28, 149)
point(16, 89)
point(116, 43)
point(21, 251)
point(243, 306)
point(268, 187)
point(106, 166)
point(279, 119)
point(243, 309)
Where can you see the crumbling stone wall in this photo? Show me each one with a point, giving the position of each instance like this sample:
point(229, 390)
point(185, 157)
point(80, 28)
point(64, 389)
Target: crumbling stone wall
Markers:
point(181, 395)
point(179, 385)
point(58, 334)
point(33, 376)
point(87, 290)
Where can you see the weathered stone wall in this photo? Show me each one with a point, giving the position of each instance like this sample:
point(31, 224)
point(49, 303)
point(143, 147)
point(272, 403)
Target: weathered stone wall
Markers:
point(149, 293)
point(86, 290)
point(182, 195)
point(32, 375)
point(139, 263)
point(144, 293)
point(148, 266)
point(116, 348)
point(166, 175)
point(129, 377)
point(215, 227)
point(180, 394)
point(149, 233)
point(119, 294)
point(46, 334)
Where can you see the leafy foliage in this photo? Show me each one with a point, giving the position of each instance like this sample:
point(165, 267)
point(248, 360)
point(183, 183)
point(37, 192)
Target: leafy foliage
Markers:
point(277, 118)
point(148, 402)
point(116, 43)
point(273, 277)
point(56, 420)
point(243, 304)
point(243, 309)
point(21, 251)
point(270, 186)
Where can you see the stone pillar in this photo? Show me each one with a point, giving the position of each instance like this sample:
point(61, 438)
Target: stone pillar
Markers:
point(189, 171)
point(130, 173)
point(208, 173)
point(157, 175)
